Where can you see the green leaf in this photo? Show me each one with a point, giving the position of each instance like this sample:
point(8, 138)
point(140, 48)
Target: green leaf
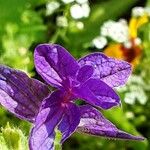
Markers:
point(57, 141)
point(12, 139)
point(144, 34)
point(148, 3)
point(99, 14)
point(122, 123)
point(20, 27)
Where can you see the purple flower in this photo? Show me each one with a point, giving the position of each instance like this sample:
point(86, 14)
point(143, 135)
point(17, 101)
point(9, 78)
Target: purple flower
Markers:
point(92, 79)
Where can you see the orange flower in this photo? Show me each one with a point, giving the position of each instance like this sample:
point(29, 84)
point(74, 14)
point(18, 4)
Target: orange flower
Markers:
point(120, 51)
point(132, 54)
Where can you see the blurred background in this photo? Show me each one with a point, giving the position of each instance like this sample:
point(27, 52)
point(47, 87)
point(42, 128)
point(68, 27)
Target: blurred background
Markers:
point(118, 28)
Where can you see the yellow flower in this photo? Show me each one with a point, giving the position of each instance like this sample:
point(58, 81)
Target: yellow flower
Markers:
point(120, 51)
point(131, 53)
point(135, 23)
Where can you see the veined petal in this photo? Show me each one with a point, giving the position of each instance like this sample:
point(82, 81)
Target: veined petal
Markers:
point(94, 123)
point(97, 93)
point(20, 94)
point(110, 70)
point(54, 63)
point(84, 73)
point(43, 135)
point(54, 114)
point(69, 121)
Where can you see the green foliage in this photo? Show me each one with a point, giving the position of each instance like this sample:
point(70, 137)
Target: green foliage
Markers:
point(20, 28)
point(24, 24)
point(57, 141)
point(99, 14)
point(12, 139)
point(7, 117)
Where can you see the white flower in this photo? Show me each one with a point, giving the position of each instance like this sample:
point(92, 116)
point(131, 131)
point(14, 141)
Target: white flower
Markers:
point(135, 79)
point(136, 93)
point(106, 27)
point(117, 31)
point(81, 1)
point(86, 9)
point(135, 90)
point(62, 21)
point(51, 7)
point(79, 11)
point(76, 11)
point(67, 1)
point(138, 11)
point(99, 42)
point(129, 115)
point(127, 44)
point(80, 25)
point(137, 41)
point(147, 11)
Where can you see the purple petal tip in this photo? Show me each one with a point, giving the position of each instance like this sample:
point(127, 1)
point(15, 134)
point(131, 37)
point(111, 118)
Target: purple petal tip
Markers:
point(126, 136)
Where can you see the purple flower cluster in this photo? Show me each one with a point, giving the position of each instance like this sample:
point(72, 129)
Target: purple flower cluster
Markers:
point(91, 78)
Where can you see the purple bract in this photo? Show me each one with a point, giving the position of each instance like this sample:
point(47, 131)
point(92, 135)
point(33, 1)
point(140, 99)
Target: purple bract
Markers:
point(91, 79)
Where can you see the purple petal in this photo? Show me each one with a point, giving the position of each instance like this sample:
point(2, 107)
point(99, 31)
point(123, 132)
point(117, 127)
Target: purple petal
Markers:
point(54, 63)
point(94, 123)
point(70, 121)
point(54, 113)
point(110, 70)
point(20, 94)
point(85, 72)
point(43, 134)
point(97, 93)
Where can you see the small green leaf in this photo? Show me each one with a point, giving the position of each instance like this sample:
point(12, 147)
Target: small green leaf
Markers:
point(12, 139)
point(57, 141)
